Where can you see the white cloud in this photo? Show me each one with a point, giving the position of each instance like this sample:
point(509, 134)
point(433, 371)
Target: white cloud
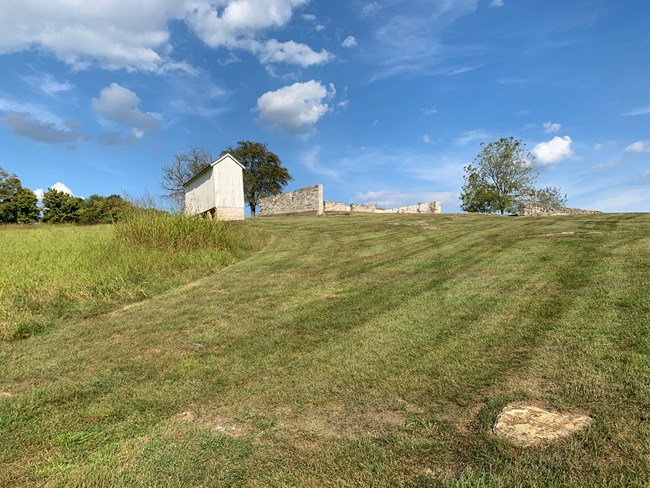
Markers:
point(496, 3)
point(121, 106)
point(471, 136)
point(48, 84)
point(638, 111)
point(551, 127)
point(39, 192)
point(426, 138)
point(397, 198)
point(370, 9)
point(289, 52)
point(605, 166)
point(430, 111)
point(349, 41)
point(412, 40)
point(295, 108)
point(309, 17)
point(552, 152)
point(122, 34)
point(319, 27)
point(311, 157)
point(598, 146)
point(638, 147)
point(62, 188)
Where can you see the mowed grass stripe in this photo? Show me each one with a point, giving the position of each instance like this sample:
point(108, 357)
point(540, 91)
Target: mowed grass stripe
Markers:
point(354, 351)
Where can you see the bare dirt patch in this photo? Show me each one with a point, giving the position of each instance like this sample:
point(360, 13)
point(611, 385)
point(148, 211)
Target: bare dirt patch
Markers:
point(6, 394)
point(528, 425)
point(216, 423)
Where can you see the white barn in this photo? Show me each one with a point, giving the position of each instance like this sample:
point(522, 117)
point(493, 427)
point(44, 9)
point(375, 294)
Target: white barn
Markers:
point(217, 191)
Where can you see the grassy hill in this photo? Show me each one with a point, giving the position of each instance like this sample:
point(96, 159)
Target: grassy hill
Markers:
point(361, 350)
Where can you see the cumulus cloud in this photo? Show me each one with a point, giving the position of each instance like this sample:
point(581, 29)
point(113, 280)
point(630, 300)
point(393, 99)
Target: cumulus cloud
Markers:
point(295, 108)
point(39, 192)
point(496, 3)
point(62, 188)
point(289, 52)
point(122, 34)
point(121, 106)
point(26, 125)
point(349, 41)
point(426, 138)
point(638, 147)
point(552, 152)
point(551, 127)
point(598, 146)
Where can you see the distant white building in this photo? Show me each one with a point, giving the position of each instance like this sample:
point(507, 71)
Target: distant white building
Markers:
point(217, 191)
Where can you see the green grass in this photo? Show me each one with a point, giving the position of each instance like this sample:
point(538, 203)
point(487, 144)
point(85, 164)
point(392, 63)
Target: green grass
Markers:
point(359, 350)
point(53, 272)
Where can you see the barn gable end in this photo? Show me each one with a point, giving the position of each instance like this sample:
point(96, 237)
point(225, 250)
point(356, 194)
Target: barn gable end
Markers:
point(217, 190)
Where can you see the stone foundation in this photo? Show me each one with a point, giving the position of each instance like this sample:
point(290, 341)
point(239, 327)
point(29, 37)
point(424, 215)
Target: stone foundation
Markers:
point(230, 213)
point(224, 213)
point(537, 208)
point(305, 201)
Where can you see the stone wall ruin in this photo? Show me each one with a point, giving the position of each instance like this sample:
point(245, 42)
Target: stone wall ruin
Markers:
point(305, 201)
point(538, 208)
point(309, 201)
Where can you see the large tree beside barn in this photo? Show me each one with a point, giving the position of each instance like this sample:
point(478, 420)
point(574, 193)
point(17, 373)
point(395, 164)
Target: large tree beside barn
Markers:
point(264, 175)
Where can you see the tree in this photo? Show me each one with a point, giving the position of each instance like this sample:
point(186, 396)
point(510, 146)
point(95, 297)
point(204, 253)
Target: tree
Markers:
point(264, 175)
point(97, 209)
point(501, 176)
point(27, 210)
point(17, 204)
point(549, 195)
point(184, 166)
point(60, 207)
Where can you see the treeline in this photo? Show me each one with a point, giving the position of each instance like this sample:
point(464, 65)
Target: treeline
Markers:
point(20, 205)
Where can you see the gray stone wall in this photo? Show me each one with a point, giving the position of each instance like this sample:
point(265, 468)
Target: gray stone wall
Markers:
point(537, 208)
point(305, 201)
point(336, 207)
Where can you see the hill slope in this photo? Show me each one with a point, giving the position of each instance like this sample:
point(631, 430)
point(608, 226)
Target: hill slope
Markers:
point(354, 350)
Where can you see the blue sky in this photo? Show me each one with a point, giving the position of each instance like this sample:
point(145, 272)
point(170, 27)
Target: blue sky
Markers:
point(381, 101)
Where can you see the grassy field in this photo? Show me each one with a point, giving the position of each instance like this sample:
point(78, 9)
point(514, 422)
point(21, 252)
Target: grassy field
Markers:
point(53, 272)
point(363, 350)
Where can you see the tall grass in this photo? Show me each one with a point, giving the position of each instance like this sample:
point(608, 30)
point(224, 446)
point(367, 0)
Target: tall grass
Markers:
point(50, 272)
point(152, 229)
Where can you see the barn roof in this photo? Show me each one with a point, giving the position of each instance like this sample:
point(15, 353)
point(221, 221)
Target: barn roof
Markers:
point(212, 165)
